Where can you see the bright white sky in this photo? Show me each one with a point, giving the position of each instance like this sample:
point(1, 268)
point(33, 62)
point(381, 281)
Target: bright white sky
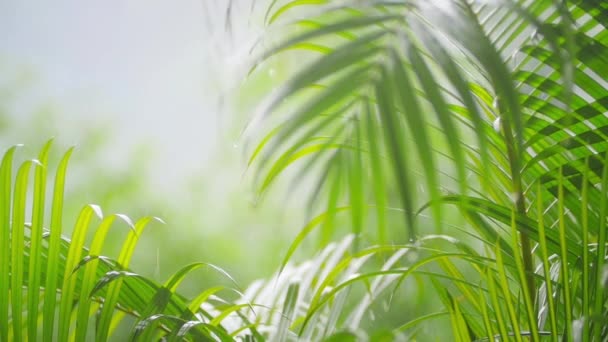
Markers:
point(153, 69)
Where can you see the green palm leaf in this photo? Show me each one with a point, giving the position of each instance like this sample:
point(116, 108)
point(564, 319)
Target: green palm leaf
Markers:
point(68, 280)
point(494, 107)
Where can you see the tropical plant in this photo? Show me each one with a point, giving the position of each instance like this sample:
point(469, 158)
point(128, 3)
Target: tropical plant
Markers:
point(498, 109)
point(54, 288)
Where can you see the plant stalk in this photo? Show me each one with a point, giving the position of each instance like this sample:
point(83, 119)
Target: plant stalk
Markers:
point(520, 207)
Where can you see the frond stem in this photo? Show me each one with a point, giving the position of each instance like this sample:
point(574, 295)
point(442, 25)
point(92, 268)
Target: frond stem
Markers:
point(520, 207)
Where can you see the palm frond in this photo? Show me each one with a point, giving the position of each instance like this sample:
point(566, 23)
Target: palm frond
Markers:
point(303, 301)
point(494, 107)
point(66, 283)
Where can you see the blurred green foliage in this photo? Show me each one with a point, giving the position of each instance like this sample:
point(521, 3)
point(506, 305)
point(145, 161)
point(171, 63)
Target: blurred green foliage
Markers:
point(207, 217)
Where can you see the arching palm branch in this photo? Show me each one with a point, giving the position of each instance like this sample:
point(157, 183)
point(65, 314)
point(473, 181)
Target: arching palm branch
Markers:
point(497, 107)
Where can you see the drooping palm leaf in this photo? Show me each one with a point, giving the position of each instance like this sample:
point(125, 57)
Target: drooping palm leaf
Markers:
point(501, 104)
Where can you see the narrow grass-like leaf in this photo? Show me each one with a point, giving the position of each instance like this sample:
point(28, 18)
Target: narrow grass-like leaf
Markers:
point(289, 307)
point(448, 303)
point(88, 279)
point(303, 234)
point(391, 124)
point(421, 319)
point(355, 183)
point(68, 284)
point(586, 272)
point(336, 186)
point(17, 246)
point(377, 172)
point(486, 316)
point(114, 288)
point(292, 4)
point(506, 292)
point(565, 270)
point(414, 116)
point(521, 272)
point(461, 322)
point(288, 159)
point(50, 293)
point(600, 268)
point(339, 27)
point(227, 311)
point(35, 262)
point(202, 297)
point(334, 314)
point(454, 74)
point(493, 291)
point(431, 89)
point(5, 231)
point(451, 269)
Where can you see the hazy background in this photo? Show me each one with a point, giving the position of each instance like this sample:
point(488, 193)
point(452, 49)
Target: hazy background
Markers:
point(148, 69)
point(147, 90)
